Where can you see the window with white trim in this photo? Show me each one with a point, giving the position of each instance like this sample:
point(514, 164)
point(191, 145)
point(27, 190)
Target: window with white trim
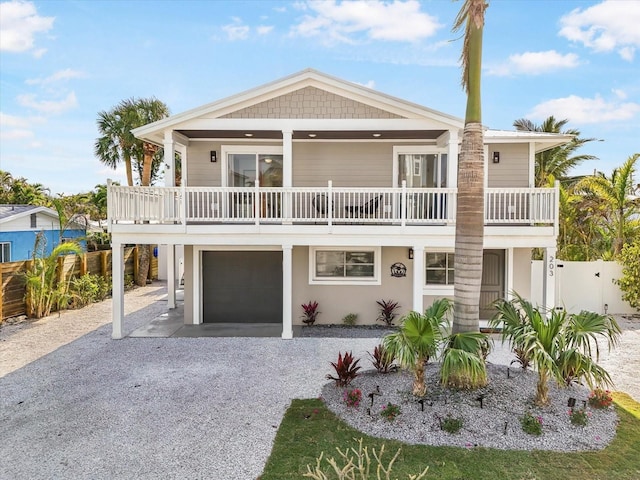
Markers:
point(346, 266)
point(5, 252)
point(439, 267)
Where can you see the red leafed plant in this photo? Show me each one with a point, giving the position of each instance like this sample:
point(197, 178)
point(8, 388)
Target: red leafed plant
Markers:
point(382, 359)
point(310, 312)
point(387, 311)
point(346, 369)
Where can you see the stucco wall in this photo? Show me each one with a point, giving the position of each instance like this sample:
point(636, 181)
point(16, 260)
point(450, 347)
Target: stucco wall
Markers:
point(337, 301)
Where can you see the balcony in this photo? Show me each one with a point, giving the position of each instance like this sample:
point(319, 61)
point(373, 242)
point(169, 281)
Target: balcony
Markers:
point(322, 206)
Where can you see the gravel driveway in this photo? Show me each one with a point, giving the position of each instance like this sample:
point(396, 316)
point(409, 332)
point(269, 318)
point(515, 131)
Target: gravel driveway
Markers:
point(75, 404)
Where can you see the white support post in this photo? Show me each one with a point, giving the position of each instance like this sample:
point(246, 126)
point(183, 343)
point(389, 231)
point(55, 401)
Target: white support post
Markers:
point(196, 286)
point(509, 292)
point(169, 160)
point(452, 170)
point(418, 278)
point(287, 173)
point(117, 295)
point(549, 280)
point(171, 276)
point(287, 285)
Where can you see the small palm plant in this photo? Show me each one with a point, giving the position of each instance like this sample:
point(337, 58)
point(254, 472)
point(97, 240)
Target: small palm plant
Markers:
point(45, 290)
point(561, 346)
point(418, 340)
point(463, 360)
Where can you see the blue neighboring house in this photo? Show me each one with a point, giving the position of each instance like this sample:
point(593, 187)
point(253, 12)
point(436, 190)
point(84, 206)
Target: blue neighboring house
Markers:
point(19, 225)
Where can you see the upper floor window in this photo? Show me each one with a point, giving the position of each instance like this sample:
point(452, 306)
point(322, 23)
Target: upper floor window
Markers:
point(422, 170)
point(34, 220)
point(5, 252)
point(247, 164)
point(344, 266)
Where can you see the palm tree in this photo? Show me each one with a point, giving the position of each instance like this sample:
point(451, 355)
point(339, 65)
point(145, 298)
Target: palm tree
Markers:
point(557, 161)
point(116, 143)
point(418, 340)
point(618, 207)
point(463, 360)
point(561, 346)
point(470, 208)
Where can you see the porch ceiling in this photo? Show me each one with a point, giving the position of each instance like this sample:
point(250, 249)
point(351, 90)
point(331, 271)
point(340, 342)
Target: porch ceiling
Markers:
point(318, 135)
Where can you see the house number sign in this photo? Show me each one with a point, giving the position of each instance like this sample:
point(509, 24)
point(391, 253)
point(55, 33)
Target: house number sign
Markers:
point(551, 265)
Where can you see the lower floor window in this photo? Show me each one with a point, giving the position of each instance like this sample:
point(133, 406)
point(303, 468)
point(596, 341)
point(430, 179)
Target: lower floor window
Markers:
point(439, 268)
point(5, 252)
point(344, 265)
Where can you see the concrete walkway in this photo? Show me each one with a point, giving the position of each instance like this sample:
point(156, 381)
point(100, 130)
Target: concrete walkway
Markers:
point(76, 404)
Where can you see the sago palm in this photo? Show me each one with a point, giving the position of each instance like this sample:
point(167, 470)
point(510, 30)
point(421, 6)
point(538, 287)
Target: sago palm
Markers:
point(561, 346)
point(418, 339)
point(470, 197)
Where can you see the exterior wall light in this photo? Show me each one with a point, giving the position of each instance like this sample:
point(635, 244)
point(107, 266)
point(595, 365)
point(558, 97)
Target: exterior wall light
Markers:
point(214, 156)
point(410, 254)
point(496, 157)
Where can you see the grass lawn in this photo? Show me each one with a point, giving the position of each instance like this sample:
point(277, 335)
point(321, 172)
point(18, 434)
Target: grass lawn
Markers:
point(308, 428)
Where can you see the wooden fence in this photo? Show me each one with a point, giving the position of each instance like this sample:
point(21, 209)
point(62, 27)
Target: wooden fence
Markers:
point(98, 263)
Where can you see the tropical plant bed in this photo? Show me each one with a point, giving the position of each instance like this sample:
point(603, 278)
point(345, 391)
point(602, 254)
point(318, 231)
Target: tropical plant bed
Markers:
point(309, 429)
point(490, 416)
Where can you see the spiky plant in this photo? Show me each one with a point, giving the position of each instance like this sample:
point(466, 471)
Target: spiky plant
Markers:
point(463, 360)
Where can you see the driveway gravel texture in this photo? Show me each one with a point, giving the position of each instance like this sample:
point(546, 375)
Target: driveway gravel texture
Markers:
point(75, 404)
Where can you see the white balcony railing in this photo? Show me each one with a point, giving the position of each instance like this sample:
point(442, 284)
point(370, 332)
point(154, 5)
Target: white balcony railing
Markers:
point(323, 205)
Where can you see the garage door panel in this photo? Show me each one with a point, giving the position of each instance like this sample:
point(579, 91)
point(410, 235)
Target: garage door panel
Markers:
point(242, 287)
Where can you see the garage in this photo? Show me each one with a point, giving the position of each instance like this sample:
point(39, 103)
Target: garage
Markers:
point(242, 287)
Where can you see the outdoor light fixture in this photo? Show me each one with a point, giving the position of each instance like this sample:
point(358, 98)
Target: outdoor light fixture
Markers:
point(248, 134)
point(214, 157)
point(312, 135)
point(377, 135)
point(410, 254)
point(496, 157)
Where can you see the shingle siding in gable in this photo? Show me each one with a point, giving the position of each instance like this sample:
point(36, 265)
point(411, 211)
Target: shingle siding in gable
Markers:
point(311, 102)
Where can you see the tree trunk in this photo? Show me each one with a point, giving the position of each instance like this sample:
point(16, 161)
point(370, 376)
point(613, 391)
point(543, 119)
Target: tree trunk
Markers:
point(147, 162)
point(419, 385)
point(127, 164)
point(469, 231)
point(542, 389)
point(144, 261)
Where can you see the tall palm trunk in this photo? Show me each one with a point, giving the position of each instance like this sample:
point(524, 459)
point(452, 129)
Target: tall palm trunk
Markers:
point(470, 208)
point(542, 389)
point(144, 256)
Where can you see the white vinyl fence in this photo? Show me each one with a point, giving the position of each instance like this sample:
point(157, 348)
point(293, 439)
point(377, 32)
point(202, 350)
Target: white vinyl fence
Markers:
point(583, 286)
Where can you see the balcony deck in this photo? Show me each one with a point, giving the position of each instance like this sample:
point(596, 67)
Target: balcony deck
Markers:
point(322, 206)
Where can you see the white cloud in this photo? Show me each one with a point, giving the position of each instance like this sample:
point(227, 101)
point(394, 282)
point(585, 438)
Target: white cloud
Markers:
point(581, 110)
point(19, 24)
point(607, 26)
point(370, 84)
point(264, 29)
point(18, 128)
point(236, 30)
point(347, 22)
point(535, 63)
point(58, 76)
point(48, 106)
point(621, 94)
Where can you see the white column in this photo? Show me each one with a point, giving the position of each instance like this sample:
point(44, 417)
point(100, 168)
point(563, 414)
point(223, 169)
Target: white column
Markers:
point(418, 278)
point(287, 284)
point(287, 172)
point(169, 160)
point(509, 283)
point(171, 275)
point(532, 164)
point(549, 280)
point(452, 171)
point(117, 295)
point(196, 285)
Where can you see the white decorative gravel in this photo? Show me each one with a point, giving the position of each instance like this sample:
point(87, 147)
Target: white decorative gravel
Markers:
point(495, 425)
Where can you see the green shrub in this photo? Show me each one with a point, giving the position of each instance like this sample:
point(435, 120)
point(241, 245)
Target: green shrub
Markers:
point(88, 289)
point(530, 424)
point(630, 281)
point(350, 319)
point(451, 424)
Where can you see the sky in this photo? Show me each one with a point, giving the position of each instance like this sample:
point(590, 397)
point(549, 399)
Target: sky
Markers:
point(64, 61)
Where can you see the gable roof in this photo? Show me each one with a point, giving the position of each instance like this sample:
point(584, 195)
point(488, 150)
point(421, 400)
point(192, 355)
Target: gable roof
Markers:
point(12, 212)
point(396, 107)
